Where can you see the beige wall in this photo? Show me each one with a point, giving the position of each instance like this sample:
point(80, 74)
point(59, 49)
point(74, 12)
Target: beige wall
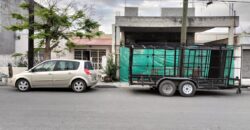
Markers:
point(16, 70)
point(107, 48)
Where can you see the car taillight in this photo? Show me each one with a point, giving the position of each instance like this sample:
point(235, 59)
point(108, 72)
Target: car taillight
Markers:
point(87, 71)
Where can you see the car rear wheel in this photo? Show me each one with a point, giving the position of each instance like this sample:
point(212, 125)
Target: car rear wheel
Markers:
point(78, 86)
point(167, 88)
point(22, 85)
point(187, 88)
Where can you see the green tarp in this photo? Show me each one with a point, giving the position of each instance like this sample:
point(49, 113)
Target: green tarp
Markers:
point(124, 64)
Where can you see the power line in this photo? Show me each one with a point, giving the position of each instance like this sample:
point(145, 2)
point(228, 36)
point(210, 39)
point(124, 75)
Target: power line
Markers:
point(229, 1)
point(194, 1)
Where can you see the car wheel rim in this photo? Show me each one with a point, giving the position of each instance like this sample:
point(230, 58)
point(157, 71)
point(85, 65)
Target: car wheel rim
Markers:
point(167, 88)
point(23, 85)
point(187, 89)
point(78, 86)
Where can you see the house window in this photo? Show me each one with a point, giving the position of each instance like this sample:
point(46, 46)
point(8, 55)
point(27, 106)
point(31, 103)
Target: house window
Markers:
point(94, 55)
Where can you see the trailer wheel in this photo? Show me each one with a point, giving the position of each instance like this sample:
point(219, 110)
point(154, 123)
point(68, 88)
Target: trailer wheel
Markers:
point(167, 88)
point(187, 88)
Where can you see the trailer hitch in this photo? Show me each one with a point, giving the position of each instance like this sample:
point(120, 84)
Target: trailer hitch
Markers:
point(238, 91)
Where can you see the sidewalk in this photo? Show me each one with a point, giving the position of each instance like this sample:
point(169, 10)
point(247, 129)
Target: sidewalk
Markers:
point(117, 84)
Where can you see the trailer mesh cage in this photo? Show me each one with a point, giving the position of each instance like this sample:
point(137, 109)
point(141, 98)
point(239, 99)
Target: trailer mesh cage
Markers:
point(209, 66)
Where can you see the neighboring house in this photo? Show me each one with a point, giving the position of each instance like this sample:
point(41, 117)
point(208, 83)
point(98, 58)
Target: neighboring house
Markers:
point(7, 38)
point(11, 42)
point(85, 49)
point(93, 49)
point(243, 40)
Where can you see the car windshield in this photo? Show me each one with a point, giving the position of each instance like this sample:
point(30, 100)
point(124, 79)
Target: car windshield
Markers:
point(88, 66)
point(46, 66)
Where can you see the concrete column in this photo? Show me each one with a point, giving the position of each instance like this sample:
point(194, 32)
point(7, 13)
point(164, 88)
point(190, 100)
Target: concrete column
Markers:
point(122, 38)
point(231, 35)
point(117, 42)
point(118, 35)
point(237, 61)
point(113, 39)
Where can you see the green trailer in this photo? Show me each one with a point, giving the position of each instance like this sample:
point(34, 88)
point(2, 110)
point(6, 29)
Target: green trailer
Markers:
point(185, 69)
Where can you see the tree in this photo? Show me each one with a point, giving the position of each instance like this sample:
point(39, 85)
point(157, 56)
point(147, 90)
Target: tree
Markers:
point(54, 23)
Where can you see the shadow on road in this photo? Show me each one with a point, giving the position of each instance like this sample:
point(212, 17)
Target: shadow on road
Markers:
point(145, 92)
point(215, 93)
point(105, 86)
point(200, 93)
point(54, 90)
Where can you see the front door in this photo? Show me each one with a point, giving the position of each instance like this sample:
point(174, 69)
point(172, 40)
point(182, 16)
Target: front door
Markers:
point(86, 55)
point(42, 74)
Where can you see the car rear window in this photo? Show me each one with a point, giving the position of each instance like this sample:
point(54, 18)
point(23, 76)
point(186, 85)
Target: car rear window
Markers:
point(88, 66)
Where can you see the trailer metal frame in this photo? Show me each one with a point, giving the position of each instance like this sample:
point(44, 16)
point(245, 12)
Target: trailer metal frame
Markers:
point(204, 77)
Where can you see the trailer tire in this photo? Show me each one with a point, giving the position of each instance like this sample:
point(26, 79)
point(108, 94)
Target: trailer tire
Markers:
point(167, 88)
point(187, 88)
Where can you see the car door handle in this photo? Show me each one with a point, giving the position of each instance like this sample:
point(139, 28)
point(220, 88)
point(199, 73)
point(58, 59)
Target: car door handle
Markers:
point(69, 73)
point(49, 74)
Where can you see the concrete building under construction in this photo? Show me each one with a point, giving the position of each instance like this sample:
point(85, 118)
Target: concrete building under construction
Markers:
point(165, 29)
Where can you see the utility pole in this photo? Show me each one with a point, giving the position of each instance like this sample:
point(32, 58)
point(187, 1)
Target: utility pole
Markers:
point(31, 33)
point(183, 37)
point(184, 23)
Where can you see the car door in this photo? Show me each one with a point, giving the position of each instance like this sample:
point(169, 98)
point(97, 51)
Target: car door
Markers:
point(64, 72)
point(42, 74)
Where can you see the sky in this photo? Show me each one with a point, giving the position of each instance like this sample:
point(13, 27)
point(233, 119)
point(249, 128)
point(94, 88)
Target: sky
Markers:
point(105, 10)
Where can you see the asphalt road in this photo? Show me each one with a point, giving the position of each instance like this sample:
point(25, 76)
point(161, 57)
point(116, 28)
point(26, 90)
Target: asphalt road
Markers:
point(122, 109)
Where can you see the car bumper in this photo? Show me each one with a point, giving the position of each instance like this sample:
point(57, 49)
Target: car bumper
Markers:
point(92, 83)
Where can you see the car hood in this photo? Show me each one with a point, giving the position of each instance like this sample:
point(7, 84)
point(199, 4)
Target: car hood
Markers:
point(16, 75)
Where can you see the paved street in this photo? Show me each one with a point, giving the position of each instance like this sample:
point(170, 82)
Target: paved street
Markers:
point(107, 108)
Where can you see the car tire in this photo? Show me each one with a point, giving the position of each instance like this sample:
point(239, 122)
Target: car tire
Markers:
point(167, 88)
point(23, 85)
point(78, 86)
point(187, 88)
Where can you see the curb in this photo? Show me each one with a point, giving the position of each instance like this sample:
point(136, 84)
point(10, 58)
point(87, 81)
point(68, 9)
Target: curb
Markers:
point(118, 85)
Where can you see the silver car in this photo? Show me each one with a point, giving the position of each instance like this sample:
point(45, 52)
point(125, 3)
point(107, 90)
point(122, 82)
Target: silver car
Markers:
point(76, 74)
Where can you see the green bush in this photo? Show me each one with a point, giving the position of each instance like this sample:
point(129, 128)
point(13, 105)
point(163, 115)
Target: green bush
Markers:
point(111, 68)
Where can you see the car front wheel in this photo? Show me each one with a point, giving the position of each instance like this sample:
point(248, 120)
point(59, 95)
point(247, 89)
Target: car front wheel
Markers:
point(22, 85)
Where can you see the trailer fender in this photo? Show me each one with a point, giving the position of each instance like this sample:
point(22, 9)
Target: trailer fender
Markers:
point(179, 79)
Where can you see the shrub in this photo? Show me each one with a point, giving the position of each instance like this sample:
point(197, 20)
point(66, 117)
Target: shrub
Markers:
point(111, 68)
